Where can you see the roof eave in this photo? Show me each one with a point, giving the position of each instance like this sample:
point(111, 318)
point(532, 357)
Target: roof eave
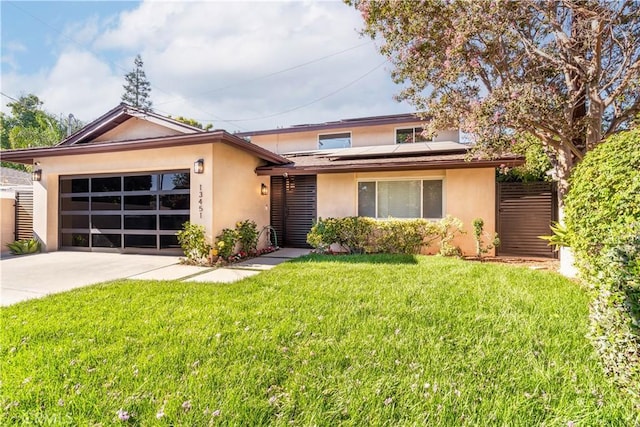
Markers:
point(388, 166)
point(28, 155)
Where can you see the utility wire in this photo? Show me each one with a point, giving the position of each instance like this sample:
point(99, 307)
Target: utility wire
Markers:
point(351, 83)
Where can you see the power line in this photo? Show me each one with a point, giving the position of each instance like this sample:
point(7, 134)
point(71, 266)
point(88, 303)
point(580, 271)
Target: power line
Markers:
point(351, 83)
point(275, 73)
point(10, 97)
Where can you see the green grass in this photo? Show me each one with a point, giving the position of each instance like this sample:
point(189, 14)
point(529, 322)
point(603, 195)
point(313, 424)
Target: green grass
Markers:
point(358, 340)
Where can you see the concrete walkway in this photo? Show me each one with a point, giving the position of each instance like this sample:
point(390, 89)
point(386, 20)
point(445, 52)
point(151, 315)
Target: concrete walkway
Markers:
point(34, 276)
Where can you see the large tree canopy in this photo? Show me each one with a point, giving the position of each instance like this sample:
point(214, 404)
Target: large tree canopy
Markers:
point(29, 125)
point(566, 72)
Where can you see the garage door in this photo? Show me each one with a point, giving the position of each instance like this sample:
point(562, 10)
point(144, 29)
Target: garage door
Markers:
point(137, 213)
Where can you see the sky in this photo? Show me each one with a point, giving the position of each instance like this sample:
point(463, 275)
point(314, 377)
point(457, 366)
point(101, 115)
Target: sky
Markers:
point(240, 65)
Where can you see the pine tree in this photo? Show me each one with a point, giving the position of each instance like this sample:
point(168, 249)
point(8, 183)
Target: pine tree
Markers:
point(137, 87)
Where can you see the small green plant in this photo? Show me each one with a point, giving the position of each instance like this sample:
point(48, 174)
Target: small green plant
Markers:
point(226, 242)
point(479, 235)
point(193, 242)
point(247, 232)
point(448, 228)
point(25, 246)
point(559, 238)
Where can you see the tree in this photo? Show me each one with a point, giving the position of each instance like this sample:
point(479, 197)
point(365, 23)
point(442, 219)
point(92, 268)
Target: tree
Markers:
point(137, 87)
point(29, 125)
point(193, 122)
point(566, 72)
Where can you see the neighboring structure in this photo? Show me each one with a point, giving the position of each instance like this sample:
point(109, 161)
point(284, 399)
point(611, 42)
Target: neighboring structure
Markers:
point(16, 206)
point(130, 179)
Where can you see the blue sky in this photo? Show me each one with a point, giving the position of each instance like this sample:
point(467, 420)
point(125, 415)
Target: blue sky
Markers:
point(239, 65)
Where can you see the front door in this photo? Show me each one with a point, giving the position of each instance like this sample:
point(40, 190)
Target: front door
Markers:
point(293, 208)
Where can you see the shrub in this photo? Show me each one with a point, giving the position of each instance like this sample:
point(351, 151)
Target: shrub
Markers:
point(247, 232)
point(226, 242)
point(602, 217)
point(367, 235)
point(448, 228)
point(479, 236)
point(604, 196)
point(193, 242)
point(23, 247)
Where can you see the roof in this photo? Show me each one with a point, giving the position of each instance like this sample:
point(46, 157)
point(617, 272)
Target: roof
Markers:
point(119, 115)
point(346, 123)
point(28, 155)
point(344, 160)
point(14, 177)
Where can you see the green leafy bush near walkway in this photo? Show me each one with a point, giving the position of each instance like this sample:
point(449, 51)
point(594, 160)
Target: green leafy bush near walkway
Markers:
point(342, 340)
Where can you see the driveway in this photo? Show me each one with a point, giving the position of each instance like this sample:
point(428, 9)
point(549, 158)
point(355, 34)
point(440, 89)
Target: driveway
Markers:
point(33, 276)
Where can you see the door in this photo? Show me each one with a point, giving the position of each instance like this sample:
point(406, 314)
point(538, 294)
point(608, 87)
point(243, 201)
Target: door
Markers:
point(293, 208)
point(524, 212)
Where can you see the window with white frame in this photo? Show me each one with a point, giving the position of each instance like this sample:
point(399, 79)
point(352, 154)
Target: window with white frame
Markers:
point(410, 135)
point(409, 198)
point(334, 140)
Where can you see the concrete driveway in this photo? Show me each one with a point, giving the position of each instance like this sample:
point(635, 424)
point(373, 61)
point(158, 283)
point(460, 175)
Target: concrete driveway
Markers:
point(33, 276)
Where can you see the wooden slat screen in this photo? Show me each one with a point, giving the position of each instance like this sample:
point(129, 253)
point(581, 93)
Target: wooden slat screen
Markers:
point(24, 215)
point(277, 209)
point(300, 197)
point(525, 211)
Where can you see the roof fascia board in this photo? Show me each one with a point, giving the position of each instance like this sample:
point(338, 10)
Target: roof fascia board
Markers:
point(28, 155)
point(387, 167)
point(343, 124)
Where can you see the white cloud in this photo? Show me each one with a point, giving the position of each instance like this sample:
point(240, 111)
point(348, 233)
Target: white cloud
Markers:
point(212, 60)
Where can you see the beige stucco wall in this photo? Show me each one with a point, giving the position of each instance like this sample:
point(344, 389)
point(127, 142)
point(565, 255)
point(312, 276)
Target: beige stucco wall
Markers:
point(136, 128)
point(7, 219)
point(236, 190)
point(468, 194)
point(228, 173)
point(360, 137)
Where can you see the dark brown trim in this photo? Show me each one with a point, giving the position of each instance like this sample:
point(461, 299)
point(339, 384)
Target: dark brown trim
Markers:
point(115, 117)
point(387, 166)
point(340, 124)
point(28, 155)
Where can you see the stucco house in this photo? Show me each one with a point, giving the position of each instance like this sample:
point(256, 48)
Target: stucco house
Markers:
point(129, 180)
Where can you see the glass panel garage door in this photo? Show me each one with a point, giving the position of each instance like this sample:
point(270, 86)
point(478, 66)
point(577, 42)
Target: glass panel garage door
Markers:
point(138, 213)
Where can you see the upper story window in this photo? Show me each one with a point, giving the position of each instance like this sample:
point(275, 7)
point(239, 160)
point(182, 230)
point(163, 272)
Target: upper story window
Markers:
point(334, 140)
point(410, 135)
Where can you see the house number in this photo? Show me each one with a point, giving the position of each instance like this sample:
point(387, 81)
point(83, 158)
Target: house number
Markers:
point(200, 208)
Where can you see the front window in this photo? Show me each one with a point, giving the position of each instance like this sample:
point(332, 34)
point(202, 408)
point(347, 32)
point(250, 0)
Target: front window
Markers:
point(334, 140)
point(410, 135)
point(401, 199)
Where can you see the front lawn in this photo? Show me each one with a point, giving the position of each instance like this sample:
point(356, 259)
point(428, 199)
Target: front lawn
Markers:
point(353, 340)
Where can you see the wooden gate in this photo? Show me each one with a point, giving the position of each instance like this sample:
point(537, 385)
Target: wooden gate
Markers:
point(524, 212)
point(24, 214)
point(293, 208)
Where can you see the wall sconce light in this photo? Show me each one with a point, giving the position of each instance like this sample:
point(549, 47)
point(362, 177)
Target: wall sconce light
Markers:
point(36, 175)
point(198, 166)
point(264, 190)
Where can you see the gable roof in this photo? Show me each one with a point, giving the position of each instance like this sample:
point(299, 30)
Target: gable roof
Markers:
point(118, 116)
point(28, 155)
point(338, 124)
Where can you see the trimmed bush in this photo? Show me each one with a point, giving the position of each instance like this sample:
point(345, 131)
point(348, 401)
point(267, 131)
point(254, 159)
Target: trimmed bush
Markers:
point(367, 235)
point(602, 217)
point(193, 242)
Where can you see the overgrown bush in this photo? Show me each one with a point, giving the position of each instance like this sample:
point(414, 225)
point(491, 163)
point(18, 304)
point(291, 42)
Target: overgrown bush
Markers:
point(602, 216)
point(193, 242)
point(247, 232)
point(367, 235)
point(23, 247)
